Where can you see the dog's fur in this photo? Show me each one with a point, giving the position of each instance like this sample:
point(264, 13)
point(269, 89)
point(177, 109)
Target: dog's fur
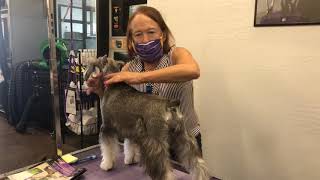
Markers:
point(150, 123)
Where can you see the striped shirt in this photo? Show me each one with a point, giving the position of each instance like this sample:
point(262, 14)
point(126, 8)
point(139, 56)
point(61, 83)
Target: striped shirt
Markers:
point(182, 91)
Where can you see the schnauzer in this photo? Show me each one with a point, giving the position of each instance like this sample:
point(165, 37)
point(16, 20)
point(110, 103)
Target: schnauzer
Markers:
point(150, 123)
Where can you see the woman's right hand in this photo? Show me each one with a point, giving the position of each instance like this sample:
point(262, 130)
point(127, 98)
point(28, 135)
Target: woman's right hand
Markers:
point(95, 84)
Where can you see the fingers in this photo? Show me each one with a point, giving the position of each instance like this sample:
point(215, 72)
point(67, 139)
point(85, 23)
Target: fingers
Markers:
point(112, 78)
point(111, 81)
point(127, 77)
point(109, 76)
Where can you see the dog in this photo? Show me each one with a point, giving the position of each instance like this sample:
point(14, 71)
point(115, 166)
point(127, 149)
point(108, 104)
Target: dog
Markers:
point(150, 123)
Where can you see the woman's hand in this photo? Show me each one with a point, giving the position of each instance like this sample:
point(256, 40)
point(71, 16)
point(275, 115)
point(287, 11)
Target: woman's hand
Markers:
point(95, 85)
point(123, 76)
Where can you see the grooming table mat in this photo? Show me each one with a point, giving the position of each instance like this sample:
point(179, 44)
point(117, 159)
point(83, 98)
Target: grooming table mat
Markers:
point(120, 171)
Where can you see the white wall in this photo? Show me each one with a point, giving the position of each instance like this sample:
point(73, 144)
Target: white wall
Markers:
point(28, 29)
point(258, 96)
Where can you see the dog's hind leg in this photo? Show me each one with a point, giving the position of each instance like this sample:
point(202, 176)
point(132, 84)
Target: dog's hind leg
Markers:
point(189, 155)
point(109, 148)
point(131, 152)
point(156, 158)
point(187, 150)
point(137, 154)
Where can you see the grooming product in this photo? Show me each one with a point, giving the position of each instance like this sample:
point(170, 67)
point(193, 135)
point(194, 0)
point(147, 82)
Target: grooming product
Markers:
point(68, 158)
point(85, 159)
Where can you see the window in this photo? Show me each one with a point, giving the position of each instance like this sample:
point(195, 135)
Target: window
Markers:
point(83, 23)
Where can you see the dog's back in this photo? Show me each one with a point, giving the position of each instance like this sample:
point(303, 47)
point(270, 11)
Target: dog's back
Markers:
point(131, 108)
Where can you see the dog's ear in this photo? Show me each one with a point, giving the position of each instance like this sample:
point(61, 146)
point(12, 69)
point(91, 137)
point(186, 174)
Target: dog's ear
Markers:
point(104, 60)
point(115, 64)
point(90, 69)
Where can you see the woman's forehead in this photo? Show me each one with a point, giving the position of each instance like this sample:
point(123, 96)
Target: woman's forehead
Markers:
point(142, 22)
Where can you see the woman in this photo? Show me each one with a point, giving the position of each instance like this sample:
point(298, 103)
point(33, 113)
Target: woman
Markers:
point(158, 66)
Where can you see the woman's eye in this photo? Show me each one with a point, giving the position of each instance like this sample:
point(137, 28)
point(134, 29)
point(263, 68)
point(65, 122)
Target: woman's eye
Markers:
point(137, 34)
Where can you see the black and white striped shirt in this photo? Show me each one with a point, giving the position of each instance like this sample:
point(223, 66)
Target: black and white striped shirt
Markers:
point(179, 90)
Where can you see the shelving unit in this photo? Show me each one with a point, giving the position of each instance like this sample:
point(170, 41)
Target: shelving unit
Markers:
point(77, 114)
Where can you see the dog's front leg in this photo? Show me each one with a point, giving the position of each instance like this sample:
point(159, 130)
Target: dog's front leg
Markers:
point(131, 152)
point(109, 149)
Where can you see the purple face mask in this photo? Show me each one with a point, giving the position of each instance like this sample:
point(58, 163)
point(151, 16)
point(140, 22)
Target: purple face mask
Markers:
point(150, 52)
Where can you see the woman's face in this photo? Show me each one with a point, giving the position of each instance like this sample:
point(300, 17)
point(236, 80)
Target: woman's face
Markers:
point(144, 29)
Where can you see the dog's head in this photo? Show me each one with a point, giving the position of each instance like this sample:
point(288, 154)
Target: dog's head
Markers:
point(103, 65)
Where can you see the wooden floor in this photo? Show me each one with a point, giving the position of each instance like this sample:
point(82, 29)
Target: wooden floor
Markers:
point(19, 150)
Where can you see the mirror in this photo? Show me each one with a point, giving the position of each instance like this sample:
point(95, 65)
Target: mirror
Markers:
point(26, 125)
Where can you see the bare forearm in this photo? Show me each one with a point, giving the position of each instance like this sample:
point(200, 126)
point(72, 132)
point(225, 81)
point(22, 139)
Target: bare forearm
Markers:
point(176, 73)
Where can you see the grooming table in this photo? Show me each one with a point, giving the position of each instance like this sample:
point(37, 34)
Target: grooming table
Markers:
point(120, 171)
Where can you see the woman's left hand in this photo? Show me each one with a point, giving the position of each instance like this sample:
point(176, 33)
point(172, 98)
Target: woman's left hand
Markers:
point(123, 76)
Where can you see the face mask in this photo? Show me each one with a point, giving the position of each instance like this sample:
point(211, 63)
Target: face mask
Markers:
point(150, 52)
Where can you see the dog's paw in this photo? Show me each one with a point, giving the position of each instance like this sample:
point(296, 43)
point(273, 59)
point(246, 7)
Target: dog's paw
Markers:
point(128, 160)
point(132, 159)
point(170, 176)
point(136, 158)
point(106, 165)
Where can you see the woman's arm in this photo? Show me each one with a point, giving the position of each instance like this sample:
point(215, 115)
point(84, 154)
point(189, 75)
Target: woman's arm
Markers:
point(185, 68)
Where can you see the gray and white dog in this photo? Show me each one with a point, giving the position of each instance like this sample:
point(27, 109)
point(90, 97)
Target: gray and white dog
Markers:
point(151, 124)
